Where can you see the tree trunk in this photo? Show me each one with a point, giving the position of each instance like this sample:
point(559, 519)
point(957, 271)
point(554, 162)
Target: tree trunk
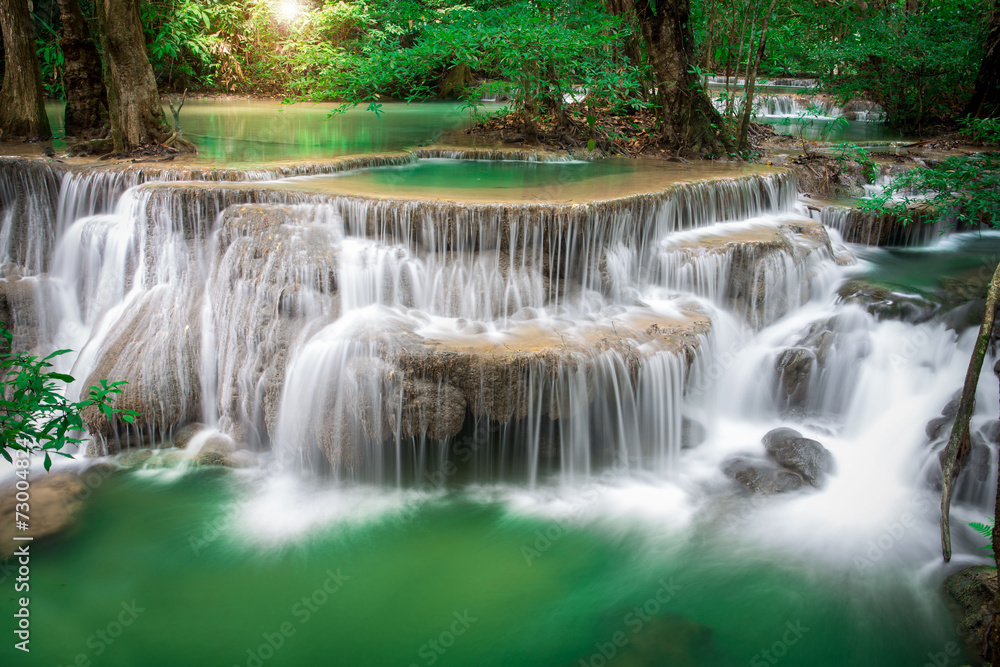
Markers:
point(633, 49)
point(689, 122)
point(22, 100)
point(86, 101)
point(752, 80)
point(137, 118)
point(708, 46)
point(985, 102)
point(960, 431)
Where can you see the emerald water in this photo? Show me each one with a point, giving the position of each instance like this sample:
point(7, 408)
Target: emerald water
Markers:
point(514, 180)
point(465, 426)
point(219, 561)
point(970, 257)
point(236, 132)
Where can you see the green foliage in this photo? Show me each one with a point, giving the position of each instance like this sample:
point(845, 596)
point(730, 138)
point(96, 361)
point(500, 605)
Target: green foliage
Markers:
point(986, 130)
point(845, 151)
point(919, 67)
point(957, 191)
point(918, 61)
point(986, 530)
point(35, 416)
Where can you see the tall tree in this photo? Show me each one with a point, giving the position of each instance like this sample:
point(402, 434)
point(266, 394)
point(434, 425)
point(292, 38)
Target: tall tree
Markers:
point(22, 101)
point(751, 81)
point(688, 121)
point(985, 102)
point(86, 102)
point(137, 118)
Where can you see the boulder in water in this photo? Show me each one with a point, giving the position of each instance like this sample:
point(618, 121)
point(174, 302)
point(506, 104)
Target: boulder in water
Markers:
point(807, 457)
point(794, 366)
point(885, 303)
point(215, 451)
point(692, 433)
point(971, 592)
point(761, 475)
point(55, 502)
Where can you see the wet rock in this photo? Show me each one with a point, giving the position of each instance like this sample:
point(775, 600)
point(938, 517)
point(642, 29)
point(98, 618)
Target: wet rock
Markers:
point(761, 476)
point(969, 285)
point(154, 348)
point(940, 427)
point(183, 437)
point(693, 433)
point(669, 640)
point(135, 458)
point(807, 457)
point(811, 373)
point(990, 432)
point(436, 409)
point(19, 312)
point(794, 366)
point(825, 176)
point(969, 315)
point(215, 451)
point(55, 502)
point(970, 593)
point(275, 272)
point(885, 303)
point(241, 458)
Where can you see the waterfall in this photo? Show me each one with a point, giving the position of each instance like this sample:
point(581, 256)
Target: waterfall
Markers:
point(417, 341)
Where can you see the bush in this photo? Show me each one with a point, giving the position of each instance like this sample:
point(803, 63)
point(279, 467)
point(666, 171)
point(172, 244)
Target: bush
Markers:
point(35, 416)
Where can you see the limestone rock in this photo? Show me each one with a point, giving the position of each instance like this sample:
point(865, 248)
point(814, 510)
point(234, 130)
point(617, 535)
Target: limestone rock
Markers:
point(971, 592)
point(215, 451)
point(761, 475)
point(55, 502)
point(807, 457)
point(885, 303)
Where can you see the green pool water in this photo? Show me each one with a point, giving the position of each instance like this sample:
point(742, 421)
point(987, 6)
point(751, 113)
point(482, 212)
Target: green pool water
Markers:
point(515, 180)
point(970, 257)
point(172, 569)
point(240, 132)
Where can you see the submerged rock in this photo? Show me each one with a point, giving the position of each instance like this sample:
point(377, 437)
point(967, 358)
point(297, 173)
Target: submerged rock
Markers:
point(884, 303)
point(971, 592)
point(804, 456)
point(761, 475)
point(693, 433)
point(135, 458)
point(812, 376)
point(184, 436)
point(215, 451)
point(55, 502)
point(20, 314)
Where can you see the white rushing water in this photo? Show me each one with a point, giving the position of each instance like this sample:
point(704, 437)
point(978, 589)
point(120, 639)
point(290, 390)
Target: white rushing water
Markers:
point(415, 343)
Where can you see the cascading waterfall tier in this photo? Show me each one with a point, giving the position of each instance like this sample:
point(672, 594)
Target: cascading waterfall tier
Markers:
point(372, 336)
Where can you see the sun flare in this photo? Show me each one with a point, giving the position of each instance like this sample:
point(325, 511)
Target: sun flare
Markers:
point(287, 10)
